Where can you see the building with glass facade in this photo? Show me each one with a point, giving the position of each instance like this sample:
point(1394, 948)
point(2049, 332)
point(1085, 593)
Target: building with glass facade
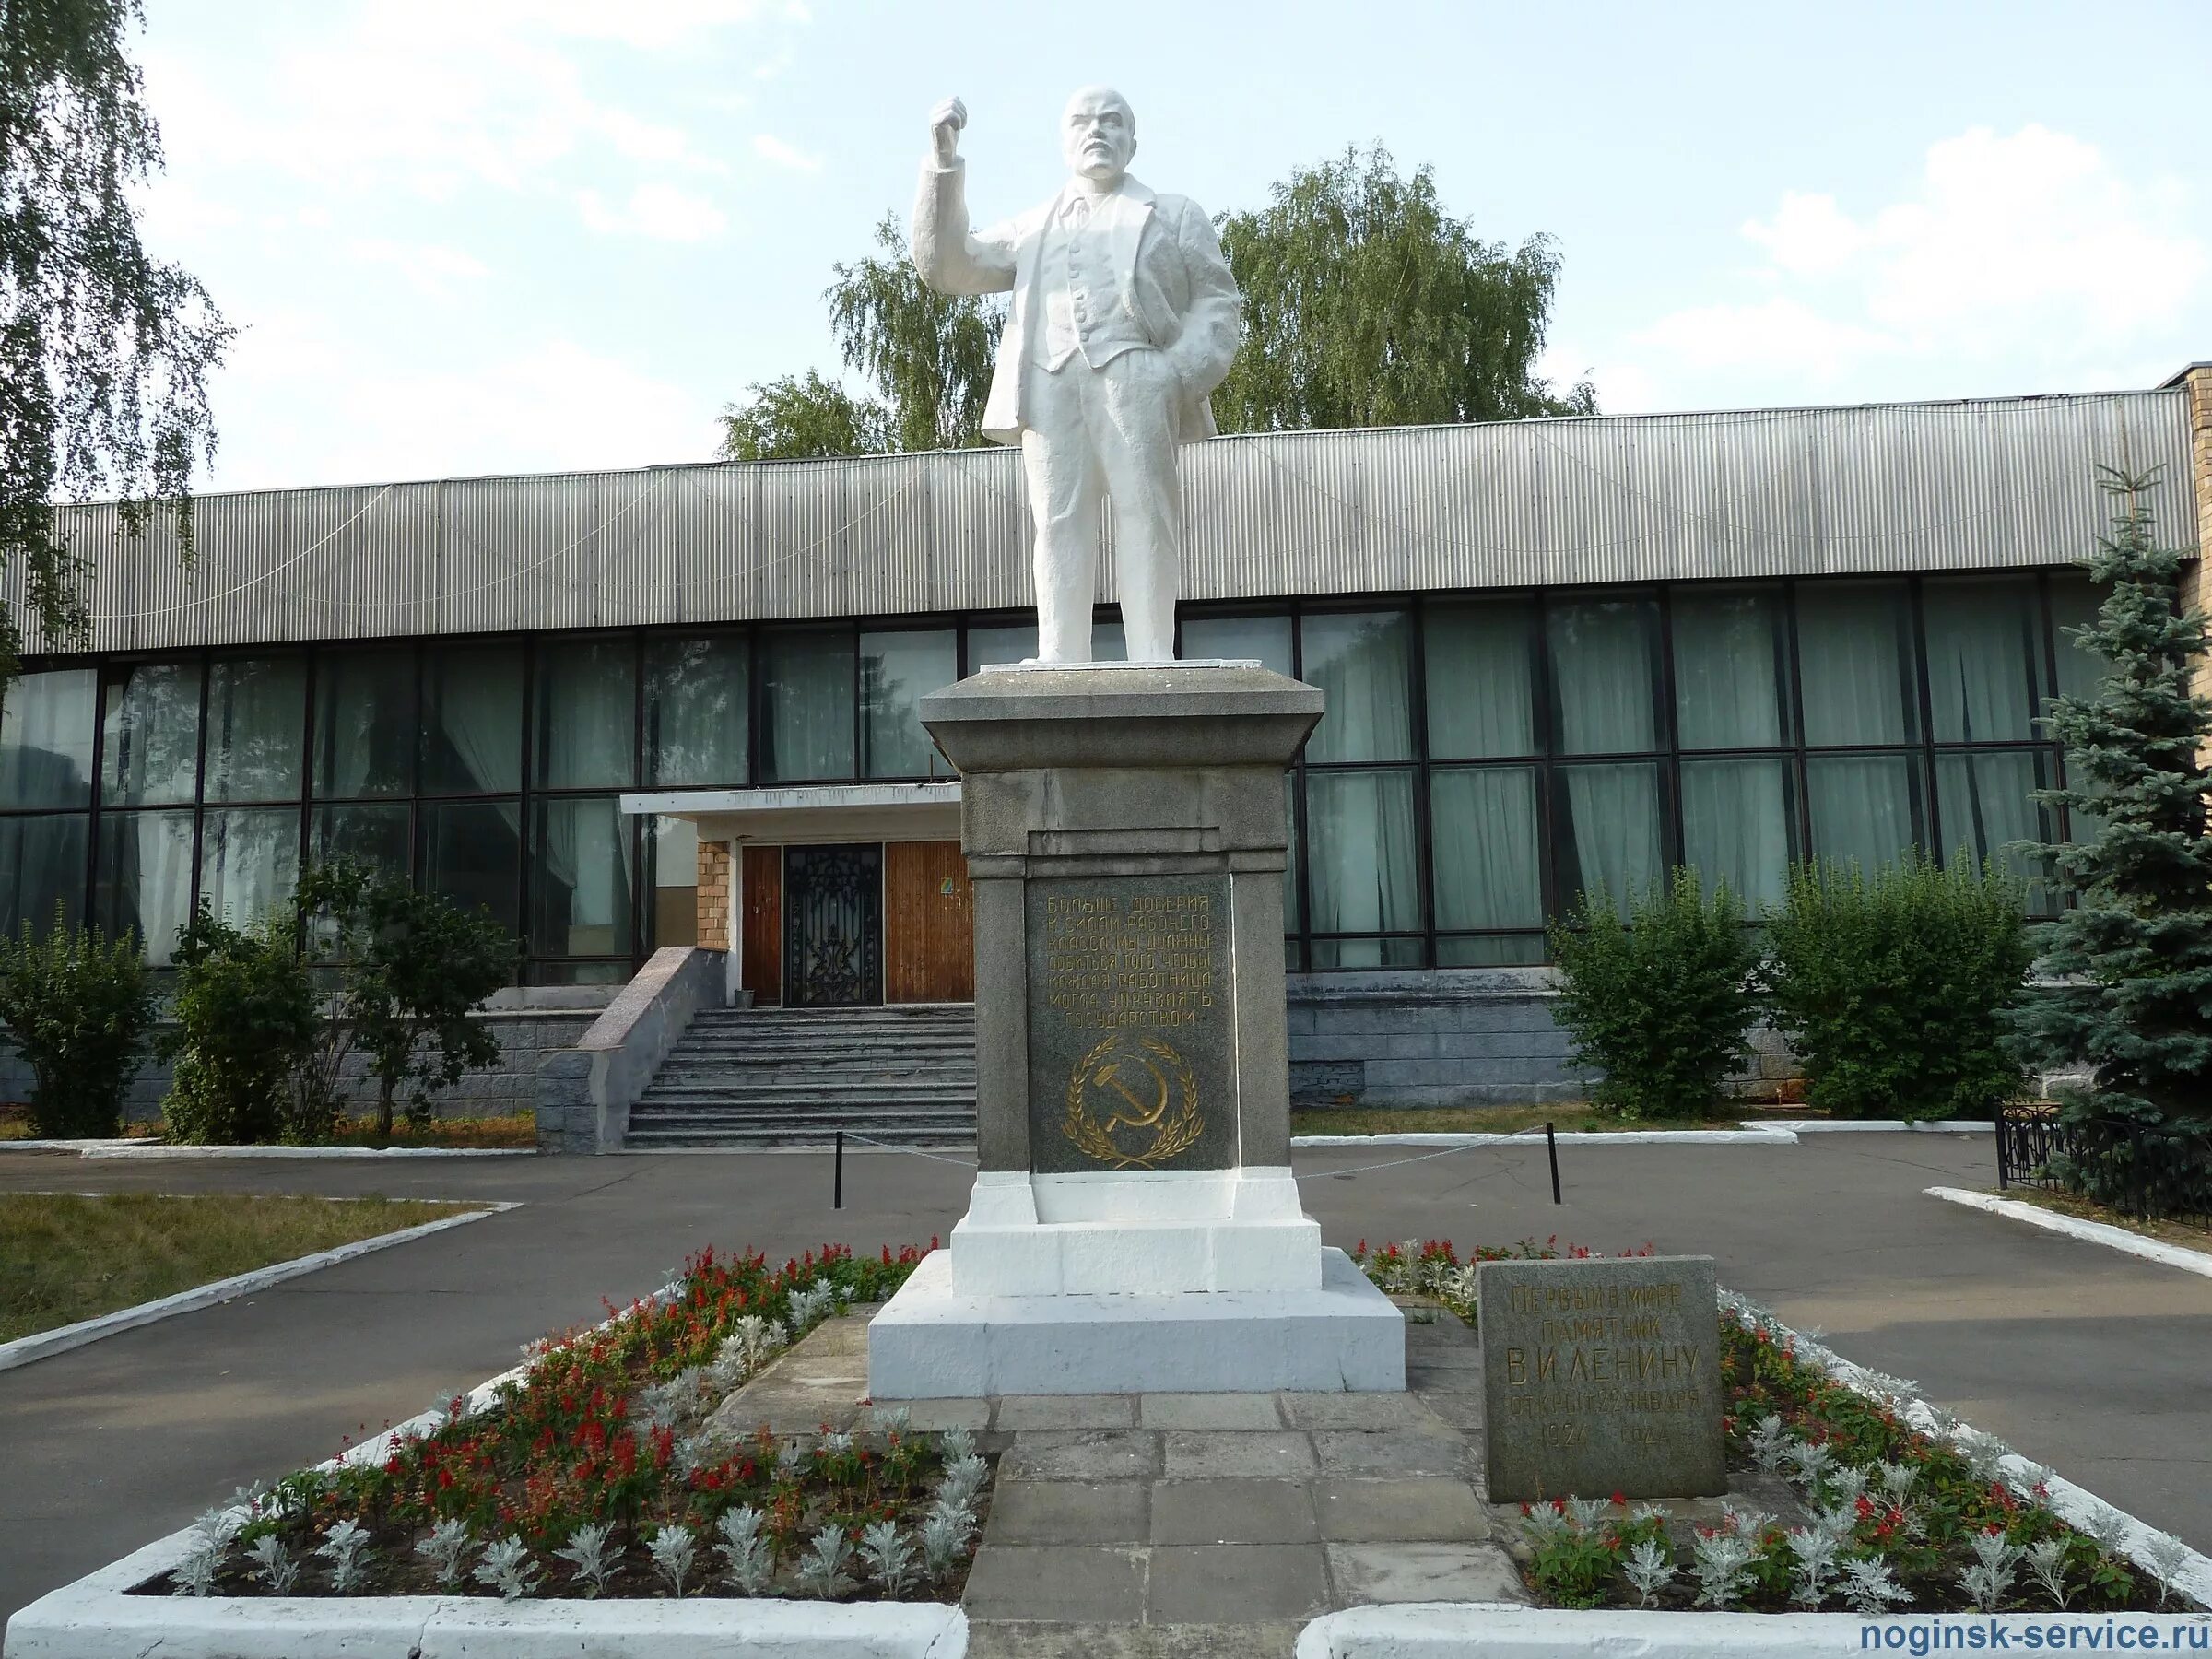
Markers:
point(1555, 654)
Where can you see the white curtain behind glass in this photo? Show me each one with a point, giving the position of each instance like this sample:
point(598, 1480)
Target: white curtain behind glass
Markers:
point(249, 862)
point(810, 712)
point(1602, 675)
point(1862, 807)
point(46, 739)
point(697, 715)
point(1264, 639)
point(256, 706)
point(1854, 647)
point(1987, 805)
point(1362, 664)
point(1360, 834)
point(477, 698)
point(1983, 681)
point(1735, 825)
point(1485, 847)
point(988, 647)
point(588, 704)
point(897, 670)
point(151, 747)
point(1729, 689)
point(583, 878)
point(1612, 828)
point(1482, 666)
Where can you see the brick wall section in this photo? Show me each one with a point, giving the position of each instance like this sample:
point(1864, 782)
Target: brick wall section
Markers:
point(716, 894)
point(2198, 385)
point(1455, 1037)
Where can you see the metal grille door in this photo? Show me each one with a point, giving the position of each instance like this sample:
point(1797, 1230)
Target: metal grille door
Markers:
point(833, 926)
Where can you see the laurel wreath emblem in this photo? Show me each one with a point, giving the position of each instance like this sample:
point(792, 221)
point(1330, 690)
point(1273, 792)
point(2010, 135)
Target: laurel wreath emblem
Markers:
point(1178, 1130)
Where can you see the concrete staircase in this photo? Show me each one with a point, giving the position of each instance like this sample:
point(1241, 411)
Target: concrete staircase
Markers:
point(767, 1078)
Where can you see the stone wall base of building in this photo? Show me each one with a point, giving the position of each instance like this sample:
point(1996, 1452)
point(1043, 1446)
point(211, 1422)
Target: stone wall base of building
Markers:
point(1456, 1037)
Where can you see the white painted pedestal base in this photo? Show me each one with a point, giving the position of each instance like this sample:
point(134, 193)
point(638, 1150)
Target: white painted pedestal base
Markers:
point(932, 1341)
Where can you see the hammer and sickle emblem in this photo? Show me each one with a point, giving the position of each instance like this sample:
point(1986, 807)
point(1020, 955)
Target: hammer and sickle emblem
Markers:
point(1138, 1115)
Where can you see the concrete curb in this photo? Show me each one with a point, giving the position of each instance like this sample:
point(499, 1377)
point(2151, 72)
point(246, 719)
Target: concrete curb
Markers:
point(112, 1150)
point(1760, 1136)
point(42, 1345)
point(1886, 1125)
point(2073, 1227)
point(97, 1617)
point(1508, 1631)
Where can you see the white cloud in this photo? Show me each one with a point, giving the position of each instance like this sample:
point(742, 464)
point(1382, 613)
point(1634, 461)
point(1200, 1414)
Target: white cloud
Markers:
point(658, 212)
point(769, 148)
point(312, 407)
point(2029, 251)
point(427, 269)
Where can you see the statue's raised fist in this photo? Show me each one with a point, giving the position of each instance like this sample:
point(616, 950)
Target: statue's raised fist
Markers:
point(944, 123)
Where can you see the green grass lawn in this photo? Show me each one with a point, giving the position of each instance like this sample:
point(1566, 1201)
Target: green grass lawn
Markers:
point(1499, 1120)
point(65, 1257)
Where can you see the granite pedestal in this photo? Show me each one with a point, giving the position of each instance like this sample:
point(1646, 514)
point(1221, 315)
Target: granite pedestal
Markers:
point(1134, 1224)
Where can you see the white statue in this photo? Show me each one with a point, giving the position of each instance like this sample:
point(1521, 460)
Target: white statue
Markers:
point(1123, 321)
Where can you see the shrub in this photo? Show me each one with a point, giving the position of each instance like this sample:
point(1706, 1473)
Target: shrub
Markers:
point(78, 1005)
point(247, 1013)
point(1894, 989)
point(1661, 1002)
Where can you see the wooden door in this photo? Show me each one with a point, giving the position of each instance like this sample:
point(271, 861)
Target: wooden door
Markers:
point(929, 923)
point(760, 968)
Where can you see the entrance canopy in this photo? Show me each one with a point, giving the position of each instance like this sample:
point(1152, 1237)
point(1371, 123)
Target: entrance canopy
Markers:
point(820, 812)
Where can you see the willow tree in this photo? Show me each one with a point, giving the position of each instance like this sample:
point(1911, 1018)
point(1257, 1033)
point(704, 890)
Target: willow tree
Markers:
point(1366, 304)
point(105, 351)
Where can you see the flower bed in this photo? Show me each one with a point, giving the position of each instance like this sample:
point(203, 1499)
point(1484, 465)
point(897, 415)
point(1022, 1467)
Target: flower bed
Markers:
point(595, 1471)
point(1903, 1508)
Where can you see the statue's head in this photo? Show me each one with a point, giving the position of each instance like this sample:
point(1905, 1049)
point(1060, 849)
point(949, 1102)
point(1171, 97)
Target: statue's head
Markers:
point(1097, 134)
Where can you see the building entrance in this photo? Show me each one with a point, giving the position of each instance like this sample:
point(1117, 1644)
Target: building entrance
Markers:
point(833, 926)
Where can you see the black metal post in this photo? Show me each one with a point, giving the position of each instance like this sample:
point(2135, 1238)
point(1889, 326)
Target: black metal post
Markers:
point(2004, 1130)
point(1551, 1145)
point(837, 1187)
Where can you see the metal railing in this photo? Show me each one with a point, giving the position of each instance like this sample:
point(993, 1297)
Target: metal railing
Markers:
point(2149, 1172)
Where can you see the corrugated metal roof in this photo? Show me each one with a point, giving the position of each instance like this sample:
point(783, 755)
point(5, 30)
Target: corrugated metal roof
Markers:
point(1904, 487)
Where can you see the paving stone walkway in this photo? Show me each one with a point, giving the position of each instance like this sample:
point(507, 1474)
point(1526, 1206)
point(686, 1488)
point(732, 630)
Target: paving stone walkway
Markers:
point(1171, 1524)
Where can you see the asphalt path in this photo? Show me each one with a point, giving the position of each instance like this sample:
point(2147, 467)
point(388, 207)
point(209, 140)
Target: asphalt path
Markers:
point(2093, 1362)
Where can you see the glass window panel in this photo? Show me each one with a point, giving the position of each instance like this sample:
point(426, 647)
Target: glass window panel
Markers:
point(1739, 825)
point(1865, 809)
point(1363, 665)
point(472, 852)
point(675, 882)
point(150, 741)
point(2075, 601)
point(1855, 650)
point(256, 726)
point(1604, 674)
point(1367, 953)
point(1481, 661)
point(1359, 841)
point(805, 705)
point(1985, 804)
point(366, 731)
point(1605, 830)
point(1264, 639)
point(987, 646)
point(471, 724)
point(1292, 915)
point(897, 670)
point(375, 833)
point(1985, 658)
point(696, 711)
point(249, 861)
point(1107, 644)
point(141, 875)
point(1484, 848)
point(46, 739)
point(1732, 673)
point(1491, 950)
point(581, 879)
point(41, 865)
point(587, 713)
point(580, 973)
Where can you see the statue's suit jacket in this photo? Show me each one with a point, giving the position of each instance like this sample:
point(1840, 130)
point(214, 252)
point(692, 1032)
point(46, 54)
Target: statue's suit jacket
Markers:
point(1173, 279)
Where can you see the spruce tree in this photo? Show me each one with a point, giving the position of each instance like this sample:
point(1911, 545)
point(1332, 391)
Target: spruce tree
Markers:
point(2132, 955)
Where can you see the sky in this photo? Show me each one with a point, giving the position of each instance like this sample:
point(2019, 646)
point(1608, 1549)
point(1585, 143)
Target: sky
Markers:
point(462, 237)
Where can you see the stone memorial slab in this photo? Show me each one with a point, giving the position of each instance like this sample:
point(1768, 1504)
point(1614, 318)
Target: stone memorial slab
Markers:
point(1602, 1377)
point(1131, 1051)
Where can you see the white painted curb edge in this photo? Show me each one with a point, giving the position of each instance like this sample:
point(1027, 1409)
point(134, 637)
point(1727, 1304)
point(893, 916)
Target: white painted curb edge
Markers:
point(95, 1618)
point(1760, 1136)
point(2073, 1227)
point(40, 1345)
point(1886, 1125)
point(1508, 1631)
